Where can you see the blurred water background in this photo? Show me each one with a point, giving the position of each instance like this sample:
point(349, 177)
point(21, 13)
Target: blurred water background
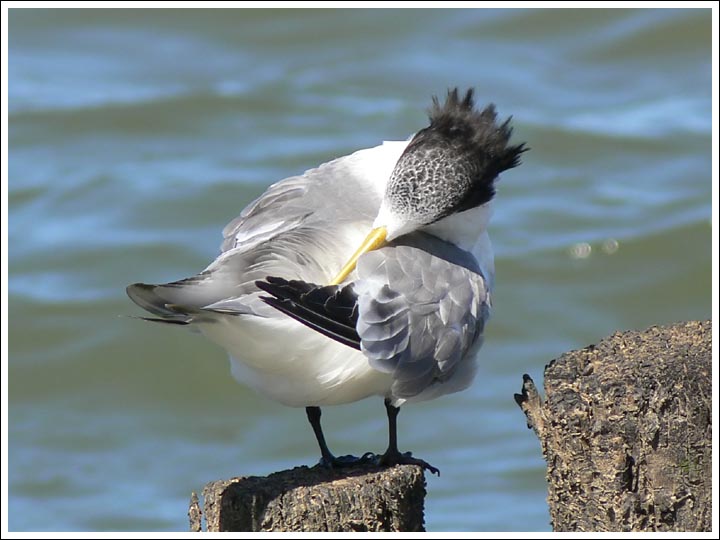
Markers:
point(135, 135)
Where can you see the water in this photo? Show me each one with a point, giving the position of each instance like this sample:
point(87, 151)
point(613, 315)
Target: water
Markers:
point(135, 135)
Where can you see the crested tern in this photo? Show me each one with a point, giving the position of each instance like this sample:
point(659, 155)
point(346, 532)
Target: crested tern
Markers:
point(310, 319)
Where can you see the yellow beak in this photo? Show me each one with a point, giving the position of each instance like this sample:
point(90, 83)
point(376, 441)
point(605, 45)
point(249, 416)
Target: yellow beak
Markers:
point(374, 240)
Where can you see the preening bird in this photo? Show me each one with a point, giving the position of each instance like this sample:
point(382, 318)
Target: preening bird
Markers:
point(370, 275)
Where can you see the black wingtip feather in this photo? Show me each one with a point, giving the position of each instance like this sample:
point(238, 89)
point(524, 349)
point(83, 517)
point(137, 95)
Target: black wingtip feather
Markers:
point(328, 310)
point(320, 324)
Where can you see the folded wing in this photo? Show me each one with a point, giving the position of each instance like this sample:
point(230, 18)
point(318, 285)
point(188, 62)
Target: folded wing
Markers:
point(416, 309)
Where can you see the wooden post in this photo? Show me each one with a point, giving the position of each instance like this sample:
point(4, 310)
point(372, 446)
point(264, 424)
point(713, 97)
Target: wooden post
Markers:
point(626, 430)
point(316, 499)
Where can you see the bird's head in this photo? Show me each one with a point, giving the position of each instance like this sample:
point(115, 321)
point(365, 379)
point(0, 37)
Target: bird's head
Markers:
point(448, 167)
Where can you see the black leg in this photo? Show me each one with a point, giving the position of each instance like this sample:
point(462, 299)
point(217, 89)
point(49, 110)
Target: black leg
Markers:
point(392, 455)
point(392, 414)
point(313, 414)
point(328, 459)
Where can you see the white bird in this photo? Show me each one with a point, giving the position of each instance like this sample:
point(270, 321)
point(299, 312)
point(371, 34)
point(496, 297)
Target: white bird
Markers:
point(403, 318)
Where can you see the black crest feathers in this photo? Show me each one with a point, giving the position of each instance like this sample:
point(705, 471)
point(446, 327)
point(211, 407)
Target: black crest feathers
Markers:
point(478, 130)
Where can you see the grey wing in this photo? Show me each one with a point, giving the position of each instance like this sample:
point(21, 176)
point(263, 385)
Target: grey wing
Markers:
point(422, 308)
point(344, 189)
point(296, 228)
point(291, 230)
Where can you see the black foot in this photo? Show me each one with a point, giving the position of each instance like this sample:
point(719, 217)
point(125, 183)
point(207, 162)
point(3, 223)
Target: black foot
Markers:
point(346, 461)
point(390, 459)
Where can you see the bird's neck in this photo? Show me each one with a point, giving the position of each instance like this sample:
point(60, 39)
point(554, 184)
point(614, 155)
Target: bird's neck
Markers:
point(464, 228)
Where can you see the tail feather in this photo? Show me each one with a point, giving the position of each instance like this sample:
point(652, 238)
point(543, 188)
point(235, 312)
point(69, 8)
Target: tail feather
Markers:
point(197, 298)
point(166, 321)
point(152, 299)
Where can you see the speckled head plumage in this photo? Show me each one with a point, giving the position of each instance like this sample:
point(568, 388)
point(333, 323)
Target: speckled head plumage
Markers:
point(451, 165)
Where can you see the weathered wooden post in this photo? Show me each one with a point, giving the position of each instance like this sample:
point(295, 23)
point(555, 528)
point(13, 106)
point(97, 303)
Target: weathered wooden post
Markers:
point(626, 430)
point(316, 499)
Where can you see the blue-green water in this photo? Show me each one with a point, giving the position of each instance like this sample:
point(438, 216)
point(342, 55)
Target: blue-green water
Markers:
point(135, 135)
